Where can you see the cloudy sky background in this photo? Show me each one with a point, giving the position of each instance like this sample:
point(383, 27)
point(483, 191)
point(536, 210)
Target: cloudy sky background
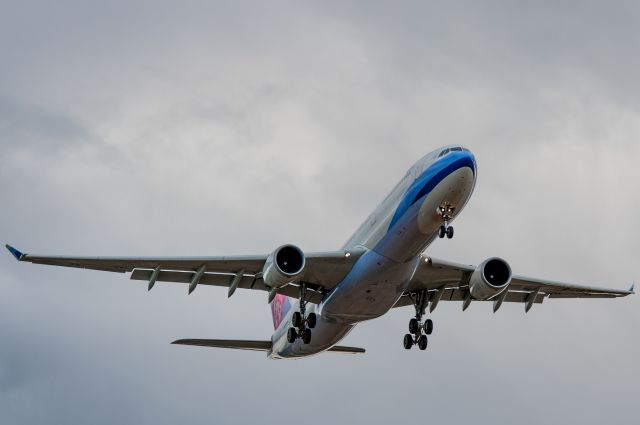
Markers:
point(147, 128)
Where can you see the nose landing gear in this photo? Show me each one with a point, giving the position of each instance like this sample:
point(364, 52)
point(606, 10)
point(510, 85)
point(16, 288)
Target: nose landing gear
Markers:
point(301, 322)
point(445, 212)
point(418, 331)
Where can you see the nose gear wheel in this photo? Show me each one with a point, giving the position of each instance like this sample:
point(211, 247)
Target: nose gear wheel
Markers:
point(445, 212)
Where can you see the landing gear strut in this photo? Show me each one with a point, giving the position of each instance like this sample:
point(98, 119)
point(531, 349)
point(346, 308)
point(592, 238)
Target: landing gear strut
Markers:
point(301, 322)
point(445, 212)
point(418, 331)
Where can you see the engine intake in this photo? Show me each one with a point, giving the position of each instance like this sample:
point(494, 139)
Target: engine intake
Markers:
point(283, 266)
point(489, 279)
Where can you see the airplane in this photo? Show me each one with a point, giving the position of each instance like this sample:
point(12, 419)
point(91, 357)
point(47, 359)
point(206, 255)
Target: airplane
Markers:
point(318, 298)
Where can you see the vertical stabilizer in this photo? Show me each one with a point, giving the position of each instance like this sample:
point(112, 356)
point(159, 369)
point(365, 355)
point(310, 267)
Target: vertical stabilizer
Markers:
point(280, 306)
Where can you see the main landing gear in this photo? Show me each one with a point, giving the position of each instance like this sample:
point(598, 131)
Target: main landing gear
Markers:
point(445, 212)
point(301, 322)
point(418, 331)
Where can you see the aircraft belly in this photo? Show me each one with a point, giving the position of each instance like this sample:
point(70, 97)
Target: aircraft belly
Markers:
point(372, 287)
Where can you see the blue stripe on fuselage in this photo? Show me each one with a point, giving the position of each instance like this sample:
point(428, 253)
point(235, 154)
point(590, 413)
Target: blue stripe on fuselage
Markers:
point(430, 178)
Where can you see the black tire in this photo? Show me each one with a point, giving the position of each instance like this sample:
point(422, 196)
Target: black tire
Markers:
point(449, 232)
point(423, 342)
point(312, 319)
point(442, 232)
point(296, 319)
point(414, 326)
point(292, 335)
point(306, 335)
point(428, 326)
point(407, 341)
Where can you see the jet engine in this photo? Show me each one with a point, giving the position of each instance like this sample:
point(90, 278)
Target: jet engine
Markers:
point(490, 279)
point(283, 266)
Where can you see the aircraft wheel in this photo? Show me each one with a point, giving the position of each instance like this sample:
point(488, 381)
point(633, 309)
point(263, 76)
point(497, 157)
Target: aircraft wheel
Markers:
point(407, 341)
point(312, 319)
point(422, 342)
point(428, 326)
point(449, 232)
point(442, 232)
point(414, 326)
point(292, 335)
point(296, 319)
point(306, 335)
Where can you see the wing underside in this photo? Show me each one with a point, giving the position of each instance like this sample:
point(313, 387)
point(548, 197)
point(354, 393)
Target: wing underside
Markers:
point(324, 270)
point(448, 281)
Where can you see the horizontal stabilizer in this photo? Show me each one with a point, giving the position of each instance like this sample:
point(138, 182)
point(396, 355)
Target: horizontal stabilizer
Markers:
point(227, 343)
point(254, 345)
point(346, 350)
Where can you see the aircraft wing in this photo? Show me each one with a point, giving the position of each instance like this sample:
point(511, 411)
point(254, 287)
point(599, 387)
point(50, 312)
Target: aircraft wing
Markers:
point(449, 281)
point(322, 272)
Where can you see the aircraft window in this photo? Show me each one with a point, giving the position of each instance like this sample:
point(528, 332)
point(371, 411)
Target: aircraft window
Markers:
point(444, 152)
point(457, 149)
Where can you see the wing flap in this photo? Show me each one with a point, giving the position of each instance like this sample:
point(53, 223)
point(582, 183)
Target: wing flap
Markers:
point(224, 280)
point(213, 279)
point(456, 294)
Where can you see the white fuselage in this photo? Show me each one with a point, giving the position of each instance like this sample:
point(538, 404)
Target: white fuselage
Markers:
point(393, 237)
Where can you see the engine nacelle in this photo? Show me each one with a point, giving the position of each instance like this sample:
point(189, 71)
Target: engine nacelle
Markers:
point(283, 266)
point(490, 279)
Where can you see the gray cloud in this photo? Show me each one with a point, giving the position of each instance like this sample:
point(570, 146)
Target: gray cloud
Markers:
point(229, 128)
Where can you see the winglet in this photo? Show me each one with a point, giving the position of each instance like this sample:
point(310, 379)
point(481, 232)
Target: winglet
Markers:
point(632, 289)
point(19, 255)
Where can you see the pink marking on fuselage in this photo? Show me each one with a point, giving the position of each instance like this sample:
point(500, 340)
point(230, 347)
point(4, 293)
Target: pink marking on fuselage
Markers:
point(279, 308)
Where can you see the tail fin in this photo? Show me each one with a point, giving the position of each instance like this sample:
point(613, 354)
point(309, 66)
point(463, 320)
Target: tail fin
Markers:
point(280, 306)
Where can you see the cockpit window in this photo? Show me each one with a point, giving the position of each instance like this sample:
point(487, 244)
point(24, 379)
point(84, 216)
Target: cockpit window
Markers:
point(453, 149)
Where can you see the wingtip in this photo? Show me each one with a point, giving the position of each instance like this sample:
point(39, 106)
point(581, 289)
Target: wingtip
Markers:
point(632, 288)
point(17, 254)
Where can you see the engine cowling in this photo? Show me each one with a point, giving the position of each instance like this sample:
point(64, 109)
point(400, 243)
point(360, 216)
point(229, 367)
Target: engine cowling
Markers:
point(283, 266)
point(489, 279)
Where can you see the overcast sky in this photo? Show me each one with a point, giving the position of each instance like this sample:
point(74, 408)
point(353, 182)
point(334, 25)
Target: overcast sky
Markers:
point(209, 128)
